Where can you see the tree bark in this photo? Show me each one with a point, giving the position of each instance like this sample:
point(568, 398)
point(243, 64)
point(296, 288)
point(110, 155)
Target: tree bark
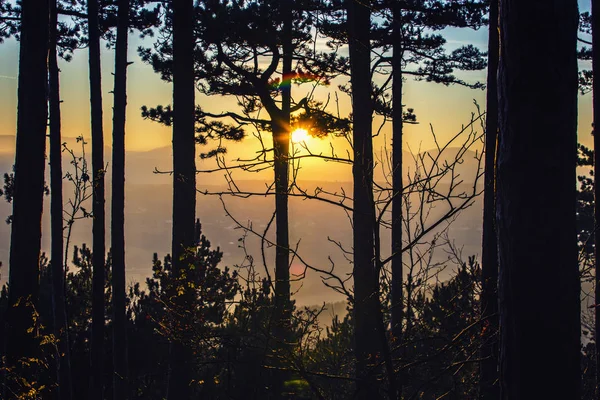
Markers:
point(184, 174)
point(366, 337)
point(98, 224)
point(56, 214)
point(489, 387)
point(120, 378)
point(539, 284)
point(26, 227)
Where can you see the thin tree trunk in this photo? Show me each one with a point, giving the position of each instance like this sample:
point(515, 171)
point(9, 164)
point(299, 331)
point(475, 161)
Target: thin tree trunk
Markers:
point(56, 215)
point(596, 121)
point(397, 311)
point(26, 227)
point(535, 203)
point(489, 387)
point(366, 337)
point(98, 224)
point(281, 140)
point(120, 379)
point(184, 176)
point(282, 311)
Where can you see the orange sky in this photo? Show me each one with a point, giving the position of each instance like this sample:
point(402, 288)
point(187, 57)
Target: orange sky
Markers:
point(445, 108)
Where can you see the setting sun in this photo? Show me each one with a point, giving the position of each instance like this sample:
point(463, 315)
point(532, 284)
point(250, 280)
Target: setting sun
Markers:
point(300, 135)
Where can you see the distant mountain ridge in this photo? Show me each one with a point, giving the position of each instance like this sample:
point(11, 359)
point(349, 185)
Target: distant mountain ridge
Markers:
point(141, 166)
point(148, 209)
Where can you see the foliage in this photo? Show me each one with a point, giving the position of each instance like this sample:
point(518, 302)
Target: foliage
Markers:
point(8, 20)
point(238, 53)
point(29, 378)
point(446, 336)
point(585, 53)
point(189, 308)
point(332, 359)
point(585, 211)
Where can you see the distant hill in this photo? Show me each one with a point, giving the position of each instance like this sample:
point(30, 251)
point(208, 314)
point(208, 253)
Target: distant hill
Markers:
point(312, 223)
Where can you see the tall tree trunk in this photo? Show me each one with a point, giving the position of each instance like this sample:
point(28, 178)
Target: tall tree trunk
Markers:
point(26, 227)
point(397, 309)
point(596, 122)
point(120, 379)
point(366, 336)
point(184, 175)
point(56, 215)
point(539, 279)
point(281, 140)
point(488, 381)
point(98, 224)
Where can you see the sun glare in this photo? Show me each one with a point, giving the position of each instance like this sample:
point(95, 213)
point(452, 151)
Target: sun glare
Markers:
point(300, 135)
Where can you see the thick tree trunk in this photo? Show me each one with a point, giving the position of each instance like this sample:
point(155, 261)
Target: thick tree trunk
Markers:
point(596, 119)
point(184, 175)
point(98, 224)
point(489, 387)
point(397, 312)
point(56, 215)
point(120, 382)
point(26, 227)
point(539, 279)
point(366, 337)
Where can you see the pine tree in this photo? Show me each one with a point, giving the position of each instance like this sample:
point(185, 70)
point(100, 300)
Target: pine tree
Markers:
point(184, 175)
point(56, 210)
point(28, 189)
point(98, 211)
point(367, 344)
point(120, 373)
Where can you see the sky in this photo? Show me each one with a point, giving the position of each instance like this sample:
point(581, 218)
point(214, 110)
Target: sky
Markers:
point(444, 109)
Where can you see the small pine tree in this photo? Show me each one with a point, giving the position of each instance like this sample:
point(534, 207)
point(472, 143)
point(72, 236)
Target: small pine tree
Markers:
point(188, 308)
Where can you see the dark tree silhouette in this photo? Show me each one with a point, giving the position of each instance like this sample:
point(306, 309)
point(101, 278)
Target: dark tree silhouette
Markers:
point(28, 189)
point(98, 211)
point(184, 174)
point(120, 373)
point(539, 278)
point(489, 385)
point(281, 143)
point(366, 340)
point(56, 214)
point(397, 306)
point(596, 121)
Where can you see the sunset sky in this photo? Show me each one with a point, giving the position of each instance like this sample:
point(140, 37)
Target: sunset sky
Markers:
point(445, 108)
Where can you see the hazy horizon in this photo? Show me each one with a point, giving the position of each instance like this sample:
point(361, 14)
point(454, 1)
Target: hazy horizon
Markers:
point(148, 207)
